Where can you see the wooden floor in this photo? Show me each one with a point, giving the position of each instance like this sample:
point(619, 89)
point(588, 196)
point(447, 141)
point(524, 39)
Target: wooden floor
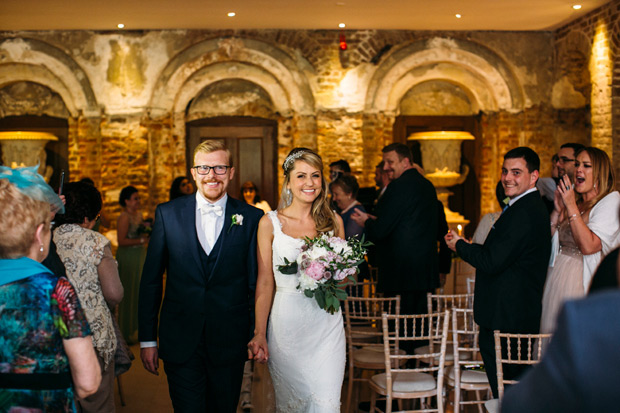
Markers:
point(146, 393)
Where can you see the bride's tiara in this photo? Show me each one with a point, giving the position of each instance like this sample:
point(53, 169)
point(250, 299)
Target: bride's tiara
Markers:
point(290, 160)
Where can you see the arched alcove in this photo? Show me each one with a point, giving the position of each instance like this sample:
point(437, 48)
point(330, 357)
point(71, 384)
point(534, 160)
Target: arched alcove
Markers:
point(480, 71)
point(39, 62)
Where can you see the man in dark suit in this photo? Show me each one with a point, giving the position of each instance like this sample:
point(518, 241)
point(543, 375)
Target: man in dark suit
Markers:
point(207, 244)
point(580, 369)
point(511, 266)
point(405, 232)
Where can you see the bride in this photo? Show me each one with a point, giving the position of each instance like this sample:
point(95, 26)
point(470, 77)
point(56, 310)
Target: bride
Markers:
point(304, 344)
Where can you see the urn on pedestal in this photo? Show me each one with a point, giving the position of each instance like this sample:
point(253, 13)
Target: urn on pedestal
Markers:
point(26, 149)
point(441, 155)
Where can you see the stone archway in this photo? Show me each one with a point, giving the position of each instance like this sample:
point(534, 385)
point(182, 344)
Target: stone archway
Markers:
point(39, 62)
point(482, 77)
point(478, 70)
point(215, 60)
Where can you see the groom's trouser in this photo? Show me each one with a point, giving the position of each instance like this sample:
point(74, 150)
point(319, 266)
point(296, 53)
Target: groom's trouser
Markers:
point(197, 386)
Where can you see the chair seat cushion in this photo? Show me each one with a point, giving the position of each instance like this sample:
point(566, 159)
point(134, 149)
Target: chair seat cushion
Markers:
point(492, 405)
point(406, 382)
point(470, 376)
point(449, 354)
point(368, 356)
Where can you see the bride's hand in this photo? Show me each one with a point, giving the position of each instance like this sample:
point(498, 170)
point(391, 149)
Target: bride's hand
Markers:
point(257, 349)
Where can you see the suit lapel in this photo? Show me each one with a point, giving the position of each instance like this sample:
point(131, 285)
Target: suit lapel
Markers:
point(188, 223)
point(227, 233)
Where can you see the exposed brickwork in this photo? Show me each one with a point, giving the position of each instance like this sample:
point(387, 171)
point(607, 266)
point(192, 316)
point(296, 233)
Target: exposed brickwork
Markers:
point(116, 150)
point(601, 29)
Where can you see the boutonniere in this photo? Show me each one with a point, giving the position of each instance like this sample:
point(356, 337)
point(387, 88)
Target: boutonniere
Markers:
point(236, 219)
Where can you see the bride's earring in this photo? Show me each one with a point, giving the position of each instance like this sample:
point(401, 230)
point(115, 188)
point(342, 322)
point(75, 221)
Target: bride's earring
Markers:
point(289, 196)
point(41, 249)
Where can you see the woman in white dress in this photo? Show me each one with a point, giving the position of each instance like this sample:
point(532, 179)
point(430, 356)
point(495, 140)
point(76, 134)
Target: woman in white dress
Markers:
point(584, 228)
point(303, 344)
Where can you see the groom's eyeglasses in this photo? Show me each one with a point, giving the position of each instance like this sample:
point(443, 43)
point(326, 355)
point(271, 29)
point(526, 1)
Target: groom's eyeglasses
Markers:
point(205, 169)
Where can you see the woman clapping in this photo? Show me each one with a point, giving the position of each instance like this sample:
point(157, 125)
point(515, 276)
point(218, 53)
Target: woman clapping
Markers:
point(584, 226)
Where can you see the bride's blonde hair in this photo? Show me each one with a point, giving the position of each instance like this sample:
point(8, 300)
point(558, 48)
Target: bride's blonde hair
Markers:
point(323, 216)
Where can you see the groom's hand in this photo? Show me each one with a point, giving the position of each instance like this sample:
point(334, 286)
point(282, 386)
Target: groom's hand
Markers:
point(257, 349)
point(150, 359)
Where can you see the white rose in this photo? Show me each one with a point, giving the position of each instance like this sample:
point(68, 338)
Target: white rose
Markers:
point(307, 283)
point(316, 252)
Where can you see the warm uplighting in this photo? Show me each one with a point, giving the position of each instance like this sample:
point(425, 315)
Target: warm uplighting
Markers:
point(120, 26)
point(458, 16)
point(342, 25)
point(459, 228)
point(577, 6)
point(232, 14)
point(441, 135)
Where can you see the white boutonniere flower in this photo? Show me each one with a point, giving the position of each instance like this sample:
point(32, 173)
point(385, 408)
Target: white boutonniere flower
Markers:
point(236, 219)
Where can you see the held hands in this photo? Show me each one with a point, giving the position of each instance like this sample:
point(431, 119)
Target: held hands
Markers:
point(452, 238)
point(150, 359)
point(257, 349)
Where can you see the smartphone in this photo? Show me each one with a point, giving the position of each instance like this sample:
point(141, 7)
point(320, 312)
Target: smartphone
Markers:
point(62, 182)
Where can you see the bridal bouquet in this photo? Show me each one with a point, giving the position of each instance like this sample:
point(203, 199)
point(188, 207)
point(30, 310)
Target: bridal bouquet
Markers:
point(327, 264)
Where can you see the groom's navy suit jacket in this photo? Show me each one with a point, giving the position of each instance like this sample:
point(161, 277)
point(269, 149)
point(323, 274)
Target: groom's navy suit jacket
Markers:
point(204, 295)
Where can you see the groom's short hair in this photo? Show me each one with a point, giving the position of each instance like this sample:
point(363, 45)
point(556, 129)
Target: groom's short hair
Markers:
point(213, 145)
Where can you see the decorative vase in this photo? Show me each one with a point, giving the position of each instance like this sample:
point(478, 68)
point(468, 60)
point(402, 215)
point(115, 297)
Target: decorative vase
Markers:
point(441, 155)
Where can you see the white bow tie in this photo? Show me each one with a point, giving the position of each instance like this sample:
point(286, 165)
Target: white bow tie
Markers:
point(215, 209)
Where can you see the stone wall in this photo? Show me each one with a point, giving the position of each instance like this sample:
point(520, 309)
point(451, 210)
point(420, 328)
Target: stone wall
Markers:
point(588, 53)
point(128, 95)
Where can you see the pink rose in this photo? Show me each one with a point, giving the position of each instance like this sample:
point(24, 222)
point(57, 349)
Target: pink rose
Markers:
point(315, 270)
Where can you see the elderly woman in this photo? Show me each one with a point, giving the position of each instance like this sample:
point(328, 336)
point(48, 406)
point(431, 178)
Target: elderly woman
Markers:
point(344, 193)
point(585, 227)
point(93, 272)
point(46, 350)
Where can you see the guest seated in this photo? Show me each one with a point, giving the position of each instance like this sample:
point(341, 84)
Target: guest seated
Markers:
point(585, 227)
point(344, 195)
point(181, 186)
point(46, 349)
point(93, 272)
point(249, 194)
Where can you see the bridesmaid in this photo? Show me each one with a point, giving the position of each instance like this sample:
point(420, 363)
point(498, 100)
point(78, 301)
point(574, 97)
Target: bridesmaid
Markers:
point(132, 241)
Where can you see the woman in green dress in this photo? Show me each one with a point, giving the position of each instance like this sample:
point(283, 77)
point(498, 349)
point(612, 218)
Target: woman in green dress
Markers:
point(133, 235)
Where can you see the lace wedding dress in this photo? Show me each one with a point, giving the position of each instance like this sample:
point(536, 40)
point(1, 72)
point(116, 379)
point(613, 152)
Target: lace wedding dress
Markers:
point(306, 343)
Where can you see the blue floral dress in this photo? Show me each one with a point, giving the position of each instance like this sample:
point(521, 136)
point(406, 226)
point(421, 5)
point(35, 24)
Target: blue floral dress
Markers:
point(37, 311)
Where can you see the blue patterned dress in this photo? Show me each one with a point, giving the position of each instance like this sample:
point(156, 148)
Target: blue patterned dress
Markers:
point(37, 311)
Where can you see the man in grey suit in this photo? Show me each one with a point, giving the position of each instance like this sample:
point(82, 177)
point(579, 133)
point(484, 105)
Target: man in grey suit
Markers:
point(511, 266)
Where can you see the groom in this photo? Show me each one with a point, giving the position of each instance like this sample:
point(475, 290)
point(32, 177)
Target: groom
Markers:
point(207, 244)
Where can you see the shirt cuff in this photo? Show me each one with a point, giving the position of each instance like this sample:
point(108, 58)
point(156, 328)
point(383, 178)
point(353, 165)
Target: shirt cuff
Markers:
point(147, 344)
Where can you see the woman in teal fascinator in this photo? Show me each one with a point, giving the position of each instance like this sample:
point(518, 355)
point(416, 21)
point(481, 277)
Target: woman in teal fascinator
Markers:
point(46, 350)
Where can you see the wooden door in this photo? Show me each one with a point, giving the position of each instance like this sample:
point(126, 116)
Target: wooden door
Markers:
point(252, 146)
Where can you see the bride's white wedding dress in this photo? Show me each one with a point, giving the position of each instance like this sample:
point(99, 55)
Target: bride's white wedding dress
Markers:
point(306, 343)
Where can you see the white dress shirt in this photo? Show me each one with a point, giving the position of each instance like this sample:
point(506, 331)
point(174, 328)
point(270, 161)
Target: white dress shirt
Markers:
point(209, 221)
point(212, 220)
